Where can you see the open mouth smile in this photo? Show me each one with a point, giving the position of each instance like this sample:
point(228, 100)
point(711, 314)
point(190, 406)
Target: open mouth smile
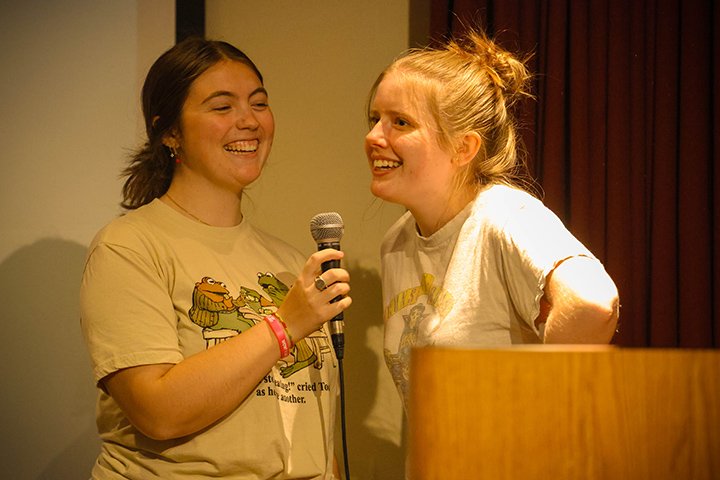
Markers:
point(245, 146)
point(384, 164)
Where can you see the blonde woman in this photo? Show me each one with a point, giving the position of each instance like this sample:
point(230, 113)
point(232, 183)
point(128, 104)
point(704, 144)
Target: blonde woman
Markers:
point(476, 259)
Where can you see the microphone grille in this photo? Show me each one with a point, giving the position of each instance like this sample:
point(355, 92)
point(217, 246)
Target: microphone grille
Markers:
point(327, 227)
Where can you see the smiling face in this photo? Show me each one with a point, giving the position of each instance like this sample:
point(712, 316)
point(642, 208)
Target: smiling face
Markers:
point(408, 164)
point(226, 128)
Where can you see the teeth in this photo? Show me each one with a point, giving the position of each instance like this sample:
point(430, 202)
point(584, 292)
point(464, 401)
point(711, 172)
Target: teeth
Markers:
point(386, 163)
point(242, 147)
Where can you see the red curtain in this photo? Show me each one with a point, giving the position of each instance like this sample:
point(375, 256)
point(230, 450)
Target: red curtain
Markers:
point(624, 139)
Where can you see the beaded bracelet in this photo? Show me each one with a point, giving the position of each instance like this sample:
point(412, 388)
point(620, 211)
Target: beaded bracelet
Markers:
point(279, 331)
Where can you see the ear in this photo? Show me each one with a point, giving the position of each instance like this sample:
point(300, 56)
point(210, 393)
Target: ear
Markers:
point(469, 147)
point(171, 140)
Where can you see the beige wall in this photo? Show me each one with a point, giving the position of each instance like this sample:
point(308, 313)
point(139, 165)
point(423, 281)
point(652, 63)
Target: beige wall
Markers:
point(320, 58)
point(71, 73)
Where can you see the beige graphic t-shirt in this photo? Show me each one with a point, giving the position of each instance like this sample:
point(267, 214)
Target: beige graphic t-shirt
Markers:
point(158, 288)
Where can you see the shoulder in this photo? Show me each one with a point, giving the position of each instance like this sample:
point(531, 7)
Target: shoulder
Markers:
point(139, 229)
point(507, 208)
point(504, 201)
point(128, 227)
point(519, 222)
point(133, 236)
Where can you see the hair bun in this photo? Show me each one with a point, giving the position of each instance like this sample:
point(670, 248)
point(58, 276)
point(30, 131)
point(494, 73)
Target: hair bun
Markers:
point(507, 72)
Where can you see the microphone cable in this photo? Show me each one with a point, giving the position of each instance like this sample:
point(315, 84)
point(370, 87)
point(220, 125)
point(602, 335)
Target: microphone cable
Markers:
point(342, 417)
point(338, 342)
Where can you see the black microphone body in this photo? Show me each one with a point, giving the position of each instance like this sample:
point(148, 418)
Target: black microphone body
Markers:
point(330, 263)
point(327, 229)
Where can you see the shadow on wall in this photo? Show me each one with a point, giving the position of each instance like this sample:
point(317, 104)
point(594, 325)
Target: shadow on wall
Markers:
point(48, 396)
point(370, 456)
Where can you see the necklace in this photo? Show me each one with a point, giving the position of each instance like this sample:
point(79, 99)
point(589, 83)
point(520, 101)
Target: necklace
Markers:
point(185, 211)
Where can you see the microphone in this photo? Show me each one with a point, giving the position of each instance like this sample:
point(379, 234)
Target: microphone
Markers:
point(327, 230)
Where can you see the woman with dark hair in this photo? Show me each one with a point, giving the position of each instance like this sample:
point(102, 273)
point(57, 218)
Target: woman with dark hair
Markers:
point(207, 335)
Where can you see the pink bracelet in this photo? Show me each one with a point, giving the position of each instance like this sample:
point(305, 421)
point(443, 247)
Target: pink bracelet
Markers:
point(279, 331)
point(285, 327)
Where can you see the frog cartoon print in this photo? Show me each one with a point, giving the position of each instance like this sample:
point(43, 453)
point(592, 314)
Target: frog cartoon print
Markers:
point(221, 317)
point(214, 309)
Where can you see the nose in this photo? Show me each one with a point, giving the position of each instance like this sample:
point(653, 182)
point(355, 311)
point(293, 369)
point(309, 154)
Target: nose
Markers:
point(246, 119)
point(376, 136)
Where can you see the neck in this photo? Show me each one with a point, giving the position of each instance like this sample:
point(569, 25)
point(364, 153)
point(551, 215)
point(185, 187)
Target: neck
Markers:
point(213, 210)
point(432, 216)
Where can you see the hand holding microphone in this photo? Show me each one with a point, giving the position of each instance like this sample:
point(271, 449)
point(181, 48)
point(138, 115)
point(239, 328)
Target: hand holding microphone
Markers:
point(320, 293)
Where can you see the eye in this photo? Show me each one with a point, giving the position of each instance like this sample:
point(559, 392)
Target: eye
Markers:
point(401, 122)
point(259, 101)
point(372, 121)
point(221, 108)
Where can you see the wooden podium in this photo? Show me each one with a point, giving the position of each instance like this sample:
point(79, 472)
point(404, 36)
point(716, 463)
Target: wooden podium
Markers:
point(564, 412)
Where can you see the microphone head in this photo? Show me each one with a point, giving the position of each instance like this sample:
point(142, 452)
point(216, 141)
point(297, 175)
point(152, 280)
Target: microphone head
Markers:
point(327, 227)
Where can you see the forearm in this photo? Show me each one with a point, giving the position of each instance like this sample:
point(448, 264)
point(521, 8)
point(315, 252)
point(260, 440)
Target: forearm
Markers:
point(170, 401)
point(583, 301)
point(573, 323)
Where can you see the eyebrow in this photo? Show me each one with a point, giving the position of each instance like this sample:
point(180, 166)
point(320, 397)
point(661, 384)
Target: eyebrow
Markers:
point(225, 93)
point(396, 113)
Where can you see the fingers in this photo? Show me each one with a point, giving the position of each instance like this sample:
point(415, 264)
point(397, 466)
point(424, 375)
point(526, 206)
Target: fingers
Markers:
point(333, 276)
point(333, 282)
point(314, 264)
point(330, 277)
point(316, 296)
point(337, 288)
point(334, 308)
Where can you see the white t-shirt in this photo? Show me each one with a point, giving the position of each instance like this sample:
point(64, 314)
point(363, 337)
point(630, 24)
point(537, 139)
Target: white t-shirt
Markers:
point(476, 282)
point(158, 288)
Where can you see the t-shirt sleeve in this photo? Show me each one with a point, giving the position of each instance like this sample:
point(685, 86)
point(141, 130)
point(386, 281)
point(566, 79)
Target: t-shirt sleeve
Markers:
point(534, 241)
point(127, 315)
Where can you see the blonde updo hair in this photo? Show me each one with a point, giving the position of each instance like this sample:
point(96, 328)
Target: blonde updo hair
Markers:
point(470, 85)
